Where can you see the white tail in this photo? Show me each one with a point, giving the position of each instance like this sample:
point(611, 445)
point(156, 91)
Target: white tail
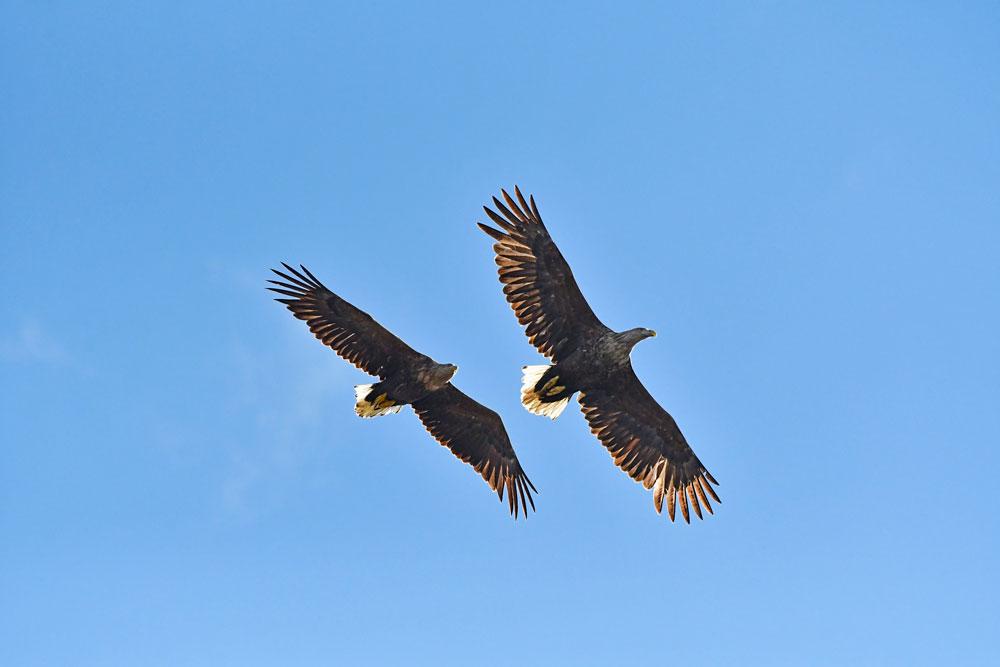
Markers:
point(368, 406)
point(531, 400)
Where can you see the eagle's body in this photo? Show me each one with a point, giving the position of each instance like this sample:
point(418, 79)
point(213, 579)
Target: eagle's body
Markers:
point(472, 432)
point(406, 386)
point(590, 359)
point(600, 360)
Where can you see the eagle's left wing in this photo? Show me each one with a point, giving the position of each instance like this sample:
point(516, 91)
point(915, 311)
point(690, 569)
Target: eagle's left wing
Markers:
point(476, 434)
point(346, 329)
point(537, 279)
point(646, 443)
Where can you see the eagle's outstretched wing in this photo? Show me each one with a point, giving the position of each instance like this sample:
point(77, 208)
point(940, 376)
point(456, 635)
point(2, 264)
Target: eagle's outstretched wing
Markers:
point(646, 443)
point(348, 330)
point(537, 280)
point(476, 434)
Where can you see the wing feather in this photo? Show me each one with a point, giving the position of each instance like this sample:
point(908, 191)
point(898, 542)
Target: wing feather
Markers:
point(538, 282)
point(346, 329)
point(477, 436)
point(645, 442)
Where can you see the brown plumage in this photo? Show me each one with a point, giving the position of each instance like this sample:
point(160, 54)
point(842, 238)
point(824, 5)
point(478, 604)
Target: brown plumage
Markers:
point(589, 358)
point(473, 432)
point(537, 280)
point(476, 434)
point(646, 443)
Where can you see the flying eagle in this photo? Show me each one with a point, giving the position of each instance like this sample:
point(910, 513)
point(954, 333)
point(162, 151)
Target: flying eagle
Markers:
point(591, 359)
point(472, 432)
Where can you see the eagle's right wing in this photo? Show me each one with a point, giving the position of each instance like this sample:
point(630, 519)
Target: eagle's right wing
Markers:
point(645, 442)
point(476, 434)
point(537, 280)
point(345, 328)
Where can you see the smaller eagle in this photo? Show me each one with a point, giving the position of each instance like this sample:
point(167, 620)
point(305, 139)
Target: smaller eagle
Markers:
point(591, 359)
point(472, 432)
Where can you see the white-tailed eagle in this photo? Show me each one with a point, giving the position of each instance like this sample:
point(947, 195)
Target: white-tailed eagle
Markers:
point(591, 359)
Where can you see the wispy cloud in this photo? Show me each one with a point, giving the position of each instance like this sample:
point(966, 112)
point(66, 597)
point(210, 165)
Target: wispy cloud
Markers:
point(284, 406)
point(283, 396)
point(275, 401)
point(30, 342)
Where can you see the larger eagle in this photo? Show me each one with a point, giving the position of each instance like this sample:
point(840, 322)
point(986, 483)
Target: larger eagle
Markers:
point(473, 432)
point(591, 359)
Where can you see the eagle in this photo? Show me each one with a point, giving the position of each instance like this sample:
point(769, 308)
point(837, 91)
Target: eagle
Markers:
point(472, 432)
point(592, 360)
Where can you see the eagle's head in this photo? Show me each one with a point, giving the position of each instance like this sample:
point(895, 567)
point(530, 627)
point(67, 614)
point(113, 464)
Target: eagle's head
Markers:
point(633, 336)
point(437, 376)
point(443, 373)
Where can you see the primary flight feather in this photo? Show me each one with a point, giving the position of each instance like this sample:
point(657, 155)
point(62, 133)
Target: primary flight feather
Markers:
point(472, 432)
point(589, 358)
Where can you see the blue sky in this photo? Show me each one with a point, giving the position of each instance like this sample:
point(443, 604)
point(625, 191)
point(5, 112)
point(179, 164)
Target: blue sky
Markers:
point(802, 201)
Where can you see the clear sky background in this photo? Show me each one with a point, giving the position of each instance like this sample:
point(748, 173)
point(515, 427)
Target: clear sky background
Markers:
point(802, 201)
